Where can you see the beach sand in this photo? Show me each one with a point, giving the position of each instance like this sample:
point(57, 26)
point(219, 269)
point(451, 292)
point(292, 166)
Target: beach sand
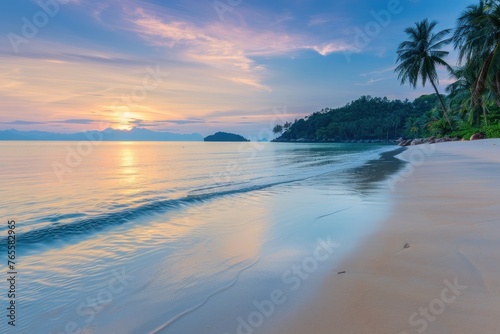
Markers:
point(434, 266)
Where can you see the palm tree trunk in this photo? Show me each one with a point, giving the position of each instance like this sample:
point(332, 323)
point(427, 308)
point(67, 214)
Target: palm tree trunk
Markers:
point(484, 116)
point(483, 74)
point(497, 83)
point(445, 112)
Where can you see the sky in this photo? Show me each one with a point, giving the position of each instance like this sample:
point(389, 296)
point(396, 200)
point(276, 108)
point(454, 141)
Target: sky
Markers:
point(201, 66)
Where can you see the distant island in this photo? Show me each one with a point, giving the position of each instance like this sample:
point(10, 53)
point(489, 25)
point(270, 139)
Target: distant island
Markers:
point(224, 136)
point(136, 134)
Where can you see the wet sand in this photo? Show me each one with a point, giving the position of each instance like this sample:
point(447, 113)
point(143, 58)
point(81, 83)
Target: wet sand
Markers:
point(434, 266)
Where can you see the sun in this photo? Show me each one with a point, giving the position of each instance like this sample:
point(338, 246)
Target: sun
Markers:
point(125, 121)
point(125, 127)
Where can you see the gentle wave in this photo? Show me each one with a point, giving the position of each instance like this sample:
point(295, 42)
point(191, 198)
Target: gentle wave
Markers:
point(55, 232)
point(67, 225)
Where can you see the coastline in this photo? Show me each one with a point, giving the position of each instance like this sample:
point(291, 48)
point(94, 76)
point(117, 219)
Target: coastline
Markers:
point(432, 266)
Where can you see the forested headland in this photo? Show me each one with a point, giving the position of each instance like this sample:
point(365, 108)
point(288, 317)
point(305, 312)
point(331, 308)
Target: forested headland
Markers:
point(472, 103)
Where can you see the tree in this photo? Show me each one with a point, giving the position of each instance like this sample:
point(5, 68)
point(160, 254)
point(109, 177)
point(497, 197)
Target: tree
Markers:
point(419, 56)
point(462, 91)
point(278, 129)
point(412, 126)
point(477, 38)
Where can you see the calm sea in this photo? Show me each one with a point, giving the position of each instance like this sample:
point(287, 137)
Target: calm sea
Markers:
point(150, 237)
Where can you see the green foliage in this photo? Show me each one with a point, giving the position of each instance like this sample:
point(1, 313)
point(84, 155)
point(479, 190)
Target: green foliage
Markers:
point(365, 118)
point(438, 127)
point(379, 118)
point(492, 131)
point(476, 90)
point(278, 129)
point(477, 40)
point(493, 113)
point(225, 137)
point(420, 54)
point(464, 132)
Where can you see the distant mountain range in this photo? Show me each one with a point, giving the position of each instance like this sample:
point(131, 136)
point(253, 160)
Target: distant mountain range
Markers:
point(136, 134)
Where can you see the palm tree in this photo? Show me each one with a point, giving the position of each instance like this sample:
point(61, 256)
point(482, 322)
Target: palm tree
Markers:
point(419, 56)
point(434, 123)
point(412, 126)
point(462, 91)
point(477, 38)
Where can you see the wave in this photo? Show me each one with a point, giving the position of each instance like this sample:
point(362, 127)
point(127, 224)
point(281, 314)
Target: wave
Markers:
point(57, 231)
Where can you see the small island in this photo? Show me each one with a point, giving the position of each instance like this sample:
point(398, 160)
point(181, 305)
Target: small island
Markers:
point(225, 137)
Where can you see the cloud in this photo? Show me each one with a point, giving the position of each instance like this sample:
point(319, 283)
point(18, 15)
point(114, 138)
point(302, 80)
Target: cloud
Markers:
point(378, 75)
point(446, 82)
point(268, 113)
point(67, 121)
point(180, 121)
point(230, 49)
point(78, 121)
point(372, 81)
point(198, 45)
point(59, 54)
point(333, 47)
point(214, 65)
point(318, 20)
point(21, 122)
point(98, 10)
point(168, 121)
point(185, 121)
point(287, 16)
point(380, 71)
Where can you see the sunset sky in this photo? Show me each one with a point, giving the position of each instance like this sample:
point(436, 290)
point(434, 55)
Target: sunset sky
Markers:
point(199, 66)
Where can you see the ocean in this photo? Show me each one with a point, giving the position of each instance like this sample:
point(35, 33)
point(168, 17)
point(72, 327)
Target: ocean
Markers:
point(180, 237)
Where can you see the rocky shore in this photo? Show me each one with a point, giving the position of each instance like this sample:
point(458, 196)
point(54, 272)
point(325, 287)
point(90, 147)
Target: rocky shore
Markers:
point(361, 141)
point(420, 141)
point(400, 142)
point(434, 140)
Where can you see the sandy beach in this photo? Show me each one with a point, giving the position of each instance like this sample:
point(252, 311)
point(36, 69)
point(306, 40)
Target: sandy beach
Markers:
point(433, 267)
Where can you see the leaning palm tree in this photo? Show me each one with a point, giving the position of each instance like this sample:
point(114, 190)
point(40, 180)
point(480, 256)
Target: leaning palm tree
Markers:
point(477, 38)
point(419, 56)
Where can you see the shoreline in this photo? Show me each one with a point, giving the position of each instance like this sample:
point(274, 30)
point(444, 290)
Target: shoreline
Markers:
point(432, 266)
